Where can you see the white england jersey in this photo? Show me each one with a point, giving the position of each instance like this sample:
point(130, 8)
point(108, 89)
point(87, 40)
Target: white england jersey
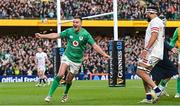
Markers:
point(157, 49)
point(41, 59)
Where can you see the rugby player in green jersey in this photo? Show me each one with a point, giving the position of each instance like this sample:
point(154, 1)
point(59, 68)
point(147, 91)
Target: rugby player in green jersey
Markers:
point(176, 41)
point(77, 38)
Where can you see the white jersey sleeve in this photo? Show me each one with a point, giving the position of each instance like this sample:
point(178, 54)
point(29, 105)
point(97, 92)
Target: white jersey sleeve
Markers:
point(154, 25)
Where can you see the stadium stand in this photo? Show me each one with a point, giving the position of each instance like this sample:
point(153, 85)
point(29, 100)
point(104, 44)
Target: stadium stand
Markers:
point(127, 9)
point(19, 52)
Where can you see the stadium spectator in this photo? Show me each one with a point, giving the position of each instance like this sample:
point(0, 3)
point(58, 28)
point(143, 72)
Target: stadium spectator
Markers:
point(17, 54)
point(127, 9)
point(22, 50)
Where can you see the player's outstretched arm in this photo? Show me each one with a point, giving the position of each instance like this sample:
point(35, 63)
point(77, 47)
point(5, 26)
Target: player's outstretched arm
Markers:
point(47, 36)
point(100, 51)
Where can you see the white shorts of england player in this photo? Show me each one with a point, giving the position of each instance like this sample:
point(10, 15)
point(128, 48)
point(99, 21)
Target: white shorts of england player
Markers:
point(74, 67)
point(151, 61)
point(42, 68)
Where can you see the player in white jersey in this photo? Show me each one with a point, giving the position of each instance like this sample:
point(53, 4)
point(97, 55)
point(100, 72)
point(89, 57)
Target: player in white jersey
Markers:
point(152, 52)
point(40, 60)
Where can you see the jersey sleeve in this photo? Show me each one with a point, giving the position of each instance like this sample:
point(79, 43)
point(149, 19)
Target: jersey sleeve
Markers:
point(90, 40)
point(174, 38)
point(154, 26)
point(64, 34)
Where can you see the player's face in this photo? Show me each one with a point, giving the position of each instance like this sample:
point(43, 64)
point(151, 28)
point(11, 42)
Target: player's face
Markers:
point(148, 16)
point(77, 24)
point(39, 49)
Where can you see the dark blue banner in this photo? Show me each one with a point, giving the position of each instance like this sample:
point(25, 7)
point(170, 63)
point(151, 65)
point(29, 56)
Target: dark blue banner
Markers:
point(116, 64)
point(5, 79)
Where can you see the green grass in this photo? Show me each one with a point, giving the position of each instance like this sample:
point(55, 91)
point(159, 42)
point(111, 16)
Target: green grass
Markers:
point(82, 93)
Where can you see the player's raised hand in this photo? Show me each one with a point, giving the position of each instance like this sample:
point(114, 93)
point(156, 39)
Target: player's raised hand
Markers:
point(47, 36)
point(143, 54)
point(38, 35)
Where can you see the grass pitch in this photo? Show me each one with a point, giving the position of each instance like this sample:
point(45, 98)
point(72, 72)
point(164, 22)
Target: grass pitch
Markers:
point(82, 93)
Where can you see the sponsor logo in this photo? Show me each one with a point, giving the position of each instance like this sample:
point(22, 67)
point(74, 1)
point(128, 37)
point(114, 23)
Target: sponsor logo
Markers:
point(75, 43)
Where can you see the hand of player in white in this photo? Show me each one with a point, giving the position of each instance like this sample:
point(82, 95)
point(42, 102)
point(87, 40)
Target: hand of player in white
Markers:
point(143, 54)
point(174, 50)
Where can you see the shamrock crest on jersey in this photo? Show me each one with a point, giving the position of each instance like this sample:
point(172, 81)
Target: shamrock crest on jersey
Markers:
point(70, 36)
point(80, 38)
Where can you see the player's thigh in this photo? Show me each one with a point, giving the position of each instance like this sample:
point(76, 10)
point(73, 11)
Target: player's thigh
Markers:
point(41, 70)
point(179, 64)
point(38, 72)
point(147, 65)
point(74, 67)
point(179, 69)
point(63, 67)
point(142, 67)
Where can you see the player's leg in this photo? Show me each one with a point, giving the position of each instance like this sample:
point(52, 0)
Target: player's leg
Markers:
point(62, 69)
point(57, 79)
point(145, 77)
point(63, 80)
point(143, 72)
point(39, 76)
point(69, 79)
point(144, 68)
point(163, 83)
point(74, 69)
point(178, 81)
point(162, 73)
point(44, 78)
point(148, 99)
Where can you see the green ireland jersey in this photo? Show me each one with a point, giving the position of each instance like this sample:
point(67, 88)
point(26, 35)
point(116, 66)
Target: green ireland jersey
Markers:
point(175, 38)
point(76, 43)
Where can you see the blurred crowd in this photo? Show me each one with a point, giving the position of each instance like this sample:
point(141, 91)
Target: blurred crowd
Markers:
point(127, 9)
point(17, 54)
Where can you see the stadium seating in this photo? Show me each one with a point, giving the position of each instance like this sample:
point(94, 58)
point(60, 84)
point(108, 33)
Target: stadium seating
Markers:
point(127, 9)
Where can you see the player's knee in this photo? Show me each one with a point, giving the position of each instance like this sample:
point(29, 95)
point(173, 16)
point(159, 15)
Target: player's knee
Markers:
point(61, 74)
point(68, 81)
